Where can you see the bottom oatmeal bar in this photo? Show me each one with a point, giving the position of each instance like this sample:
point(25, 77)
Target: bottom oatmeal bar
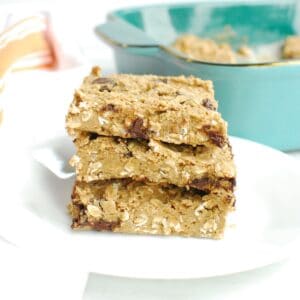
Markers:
point(141, 207)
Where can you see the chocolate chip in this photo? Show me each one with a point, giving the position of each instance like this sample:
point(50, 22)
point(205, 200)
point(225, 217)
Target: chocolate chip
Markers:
point(80, 206)
point(208, 104)
point(107, 84)
point(93, 136)
point(201, 183)
point(232, 181)
point(216, 137)
point(102, 80)
point(137, 130)
point(200, 192)
point(226, 183)
point(234, 202)
point(104, 225)
point(164, 80)
point(110, 107)
point(128, 154)
point(126, 181)
point(206, 184)
point(105, 88)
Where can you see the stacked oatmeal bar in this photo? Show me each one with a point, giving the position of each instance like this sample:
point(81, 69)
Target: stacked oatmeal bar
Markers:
point(152, 157)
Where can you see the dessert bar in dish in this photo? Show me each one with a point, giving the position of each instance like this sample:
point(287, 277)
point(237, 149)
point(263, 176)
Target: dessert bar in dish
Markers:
point(205, 49)
point(291, 47)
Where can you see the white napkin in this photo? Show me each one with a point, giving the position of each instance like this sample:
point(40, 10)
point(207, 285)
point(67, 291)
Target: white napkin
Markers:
point(55, 155)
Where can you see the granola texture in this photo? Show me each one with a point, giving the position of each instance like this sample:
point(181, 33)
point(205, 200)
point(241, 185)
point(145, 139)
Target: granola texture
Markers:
point(201, 167)
point(178, 110)
point(291, 47)
point(153, 156)
point(145, 208)
point(205, 49)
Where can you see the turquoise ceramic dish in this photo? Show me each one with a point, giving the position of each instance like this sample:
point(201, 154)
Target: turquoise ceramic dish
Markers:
point(261, 101)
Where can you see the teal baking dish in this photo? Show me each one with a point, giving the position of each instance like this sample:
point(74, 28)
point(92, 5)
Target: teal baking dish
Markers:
point(260, 101)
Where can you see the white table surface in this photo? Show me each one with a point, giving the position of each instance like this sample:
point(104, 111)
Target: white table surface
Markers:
point(22, 277)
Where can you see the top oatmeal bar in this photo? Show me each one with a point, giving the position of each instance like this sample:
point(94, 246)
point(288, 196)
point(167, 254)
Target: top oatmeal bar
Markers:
point(179, 110)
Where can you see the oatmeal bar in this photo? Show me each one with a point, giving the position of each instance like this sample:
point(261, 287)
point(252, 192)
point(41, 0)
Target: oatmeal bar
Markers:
point(205, 49)
point(201, 167)
point(178, 110)
point(291, 48)
point(140, 207)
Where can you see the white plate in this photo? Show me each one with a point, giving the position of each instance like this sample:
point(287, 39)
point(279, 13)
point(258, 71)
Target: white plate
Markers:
point(264, 229)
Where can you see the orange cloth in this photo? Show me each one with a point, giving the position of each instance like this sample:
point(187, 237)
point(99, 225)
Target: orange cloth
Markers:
point(26, 43)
